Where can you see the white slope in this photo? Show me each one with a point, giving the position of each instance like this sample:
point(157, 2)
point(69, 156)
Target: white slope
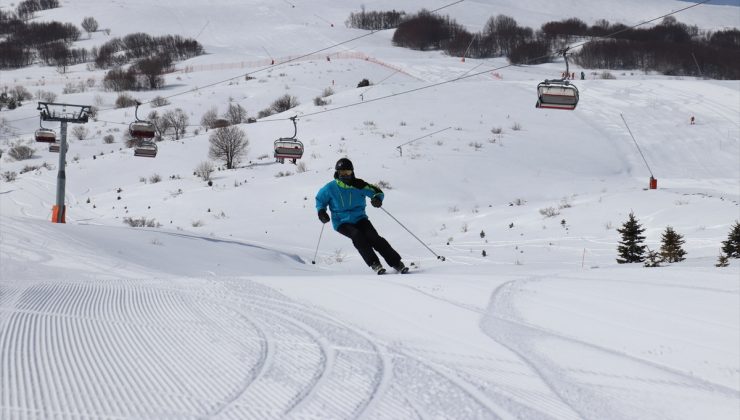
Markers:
point(219, 313)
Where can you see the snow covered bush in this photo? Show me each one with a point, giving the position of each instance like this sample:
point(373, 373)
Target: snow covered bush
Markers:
point(141, 222)
point(549, 212)
point(9, 176)
point(21, 152)
point(80, 132)
point(204, 170)
point(284, 103)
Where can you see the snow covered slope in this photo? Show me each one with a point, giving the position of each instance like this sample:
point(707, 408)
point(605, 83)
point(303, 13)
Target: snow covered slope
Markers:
point(219, 313)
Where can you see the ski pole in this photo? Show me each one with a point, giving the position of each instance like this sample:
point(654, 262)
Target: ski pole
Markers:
point(439, 257)
point(313, 261)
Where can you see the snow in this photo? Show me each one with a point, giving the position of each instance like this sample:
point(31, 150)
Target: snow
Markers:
point(219, 313)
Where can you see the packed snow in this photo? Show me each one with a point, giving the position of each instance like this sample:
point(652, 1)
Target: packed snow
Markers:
point(219, 312)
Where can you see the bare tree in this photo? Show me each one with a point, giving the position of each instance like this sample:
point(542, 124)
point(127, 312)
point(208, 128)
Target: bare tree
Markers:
point(89, 24)
point(236, 114)
point(152, 69)
point(204, 170)
point(178, 120)
point(209, 117)
point(228, 145)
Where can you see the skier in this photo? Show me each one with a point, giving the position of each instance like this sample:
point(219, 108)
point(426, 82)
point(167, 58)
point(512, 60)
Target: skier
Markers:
point(345, 196)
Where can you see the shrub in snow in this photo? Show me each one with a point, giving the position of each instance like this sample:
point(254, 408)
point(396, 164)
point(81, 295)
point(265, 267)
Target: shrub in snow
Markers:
point(108, 139)
point(384, 185)
point(125, 100)
point(723, 260)
point(300, 167)
point(204, 170)
point(141, 222)
point(363, 83)
point(549, 212)
point(159, 101)
point(671, 249)
point(80, 132)
point(9, 176)
point(319, 101)
point(21, 152)
point(284, 103)
point(46, 96)
point(631, 248)
point(653, 258)
point(155, 178)
point(265, 113)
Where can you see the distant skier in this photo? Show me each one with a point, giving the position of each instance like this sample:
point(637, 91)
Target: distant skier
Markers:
point(692, 120)
point(345, 196)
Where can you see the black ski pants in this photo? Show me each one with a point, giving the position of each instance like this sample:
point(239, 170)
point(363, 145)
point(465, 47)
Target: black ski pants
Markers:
point(366, 239)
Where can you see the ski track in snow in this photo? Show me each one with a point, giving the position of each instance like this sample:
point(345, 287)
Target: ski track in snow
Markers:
point(233, 350)
point(572, 384)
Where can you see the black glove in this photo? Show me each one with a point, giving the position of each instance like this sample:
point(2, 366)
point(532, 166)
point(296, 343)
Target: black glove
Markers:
point(376, 202)
point(358, 183)
point(324, 216)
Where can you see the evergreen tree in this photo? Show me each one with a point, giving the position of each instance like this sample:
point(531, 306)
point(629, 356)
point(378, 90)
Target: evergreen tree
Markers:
point(731, 247)
point(653, 258)
point(671, 246)
point(723, 260)
point(631, 248)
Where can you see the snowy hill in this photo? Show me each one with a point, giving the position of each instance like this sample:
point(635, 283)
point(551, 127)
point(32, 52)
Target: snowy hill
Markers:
point(219, 313)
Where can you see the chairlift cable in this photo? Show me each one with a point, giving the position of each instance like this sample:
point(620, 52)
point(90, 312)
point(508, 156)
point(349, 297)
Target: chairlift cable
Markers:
point(373, 32)
point(424, 136)
point(638, 146)
point(464, 76)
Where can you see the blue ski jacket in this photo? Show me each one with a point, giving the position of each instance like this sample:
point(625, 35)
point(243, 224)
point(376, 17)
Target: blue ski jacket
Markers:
point(346, 201)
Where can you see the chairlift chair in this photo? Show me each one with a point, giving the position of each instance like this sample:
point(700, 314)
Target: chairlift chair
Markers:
point(558, 93)
point(145, 148)
point(141, 129)
point(55, 147)
point(46, 135)
point(289, 147)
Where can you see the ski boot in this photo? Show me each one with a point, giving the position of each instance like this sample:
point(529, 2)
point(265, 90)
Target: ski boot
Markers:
point(401, 268)
point(378, 268)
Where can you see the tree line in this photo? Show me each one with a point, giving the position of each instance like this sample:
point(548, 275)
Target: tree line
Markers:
point(373, 20)
point(671, 47)
point(119, 51)
point(51, 43)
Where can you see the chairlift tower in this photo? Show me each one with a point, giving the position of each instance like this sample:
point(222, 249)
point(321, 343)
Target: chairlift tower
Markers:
point(63, 113)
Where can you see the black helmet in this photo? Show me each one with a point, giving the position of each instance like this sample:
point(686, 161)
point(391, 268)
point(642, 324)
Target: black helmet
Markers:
point(344, 164)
